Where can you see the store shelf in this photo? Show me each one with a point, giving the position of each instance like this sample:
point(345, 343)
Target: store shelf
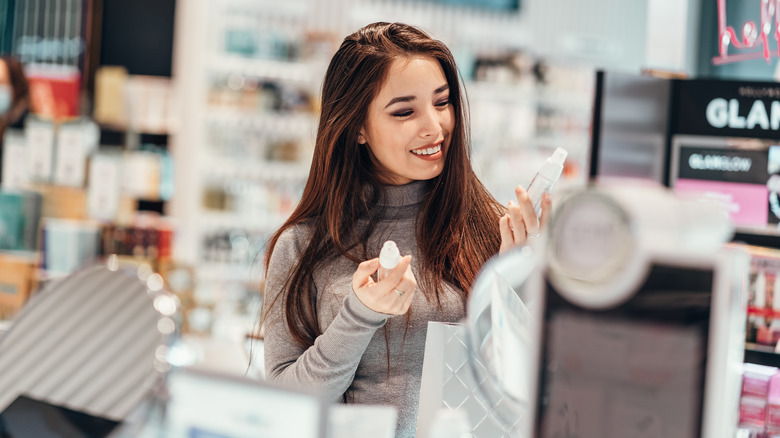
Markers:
point(212, 220)
point(758, 239)
point(301, 123)
point(567, 101)
point(150, 130)
point(259, 171)
point(288, 71)
point(226, 272)
point(761, 355)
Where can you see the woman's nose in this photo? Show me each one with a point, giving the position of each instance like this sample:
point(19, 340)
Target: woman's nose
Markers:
point(430, 123)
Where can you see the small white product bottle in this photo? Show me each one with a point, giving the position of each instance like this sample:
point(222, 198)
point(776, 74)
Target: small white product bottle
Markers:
point(546, 178)
point(389, 258)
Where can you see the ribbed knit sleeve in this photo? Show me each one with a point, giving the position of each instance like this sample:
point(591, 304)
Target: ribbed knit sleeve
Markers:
point(331, 362)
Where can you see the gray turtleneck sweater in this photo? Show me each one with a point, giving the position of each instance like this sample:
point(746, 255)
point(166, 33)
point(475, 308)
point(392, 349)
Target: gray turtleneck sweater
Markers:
point(372, 355)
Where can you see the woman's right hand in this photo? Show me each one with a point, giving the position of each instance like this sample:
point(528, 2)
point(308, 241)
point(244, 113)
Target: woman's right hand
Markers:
point(391, 295)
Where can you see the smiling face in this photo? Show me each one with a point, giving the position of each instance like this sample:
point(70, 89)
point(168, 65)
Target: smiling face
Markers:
point(410, 121)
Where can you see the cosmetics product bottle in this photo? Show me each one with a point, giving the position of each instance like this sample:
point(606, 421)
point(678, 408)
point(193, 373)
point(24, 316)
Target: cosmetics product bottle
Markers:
point(388, 259)
point(546, 178)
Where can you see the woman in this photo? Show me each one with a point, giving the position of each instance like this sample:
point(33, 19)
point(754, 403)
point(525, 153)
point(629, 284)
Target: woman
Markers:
point(14, 98)
point(391, 162)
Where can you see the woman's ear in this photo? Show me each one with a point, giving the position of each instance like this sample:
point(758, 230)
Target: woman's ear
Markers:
point(361, 138)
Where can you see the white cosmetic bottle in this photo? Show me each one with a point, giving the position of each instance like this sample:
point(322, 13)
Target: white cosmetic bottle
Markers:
point(389, 258)
point(546, 178)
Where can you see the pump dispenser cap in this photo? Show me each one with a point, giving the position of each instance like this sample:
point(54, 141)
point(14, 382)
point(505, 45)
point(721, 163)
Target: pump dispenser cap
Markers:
point(553, 167)
point(559, 156)
point(389, 256)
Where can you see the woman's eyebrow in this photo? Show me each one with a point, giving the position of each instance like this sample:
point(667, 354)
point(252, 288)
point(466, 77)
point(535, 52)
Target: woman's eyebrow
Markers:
point(441, 89)
point(400, 99)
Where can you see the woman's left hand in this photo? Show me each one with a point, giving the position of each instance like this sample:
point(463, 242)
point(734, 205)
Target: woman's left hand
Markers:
point(520, 222)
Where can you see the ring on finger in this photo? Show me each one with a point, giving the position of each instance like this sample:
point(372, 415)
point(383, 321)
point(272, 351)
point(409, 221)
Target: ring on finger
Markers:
point(400, 293)
point(532, 234)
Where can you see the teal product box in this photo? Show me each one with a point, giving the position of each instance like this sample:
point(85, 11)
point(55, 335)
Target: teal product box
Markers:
point(20, 215)
point(11, 220)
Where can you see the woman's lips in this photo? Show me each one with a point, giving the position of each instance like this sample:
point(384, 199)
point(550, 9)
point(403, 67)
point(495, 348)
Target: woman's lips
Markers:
point(428, 154)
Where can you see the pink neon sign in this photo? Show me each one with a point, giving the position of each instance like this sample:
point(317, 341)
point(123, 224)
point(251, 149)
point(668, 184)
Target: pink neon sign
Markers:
point(753, 37)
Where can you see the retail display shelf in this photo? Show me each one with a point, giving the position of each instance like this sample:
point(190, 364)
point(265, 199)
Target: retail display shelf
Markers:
point(227, 272)
point(239, 11)
point(295, 71)
point(263, 170)
point(151, 130)
point(211, 220)
point(530, 94)
point(761, 354)
point(758, 239)
point(542, 145)
point(304, 123)
point(575, 144)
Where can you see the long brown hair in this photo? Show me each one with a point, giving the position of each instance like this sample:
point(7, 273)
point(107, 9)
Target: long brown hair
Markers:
point(457, 226)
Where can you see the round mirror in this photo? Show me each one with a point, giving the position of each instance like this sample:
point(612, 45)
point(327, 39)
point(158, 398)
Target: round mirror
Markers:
point(592, 255)
point(500, 335)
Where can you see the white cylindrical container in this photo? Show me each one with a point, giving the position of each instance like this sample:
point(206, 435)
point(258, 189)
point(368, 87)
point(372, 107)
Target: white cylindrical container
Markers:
point(546, 178)
point(389, 258)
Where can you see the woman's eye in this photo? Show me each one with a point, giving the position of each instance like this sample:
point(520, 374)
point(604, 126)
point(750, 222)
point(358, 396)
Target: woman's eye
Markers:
point(444, 102)
point(404, 113)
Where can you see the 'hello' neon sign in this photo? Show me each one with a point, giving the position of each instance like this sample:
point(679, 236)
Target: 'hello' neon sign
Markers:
point(753, 37)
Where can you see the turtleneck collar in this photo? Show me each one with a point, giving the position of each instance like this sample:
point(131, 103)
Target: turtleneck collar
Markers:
point(404, 195)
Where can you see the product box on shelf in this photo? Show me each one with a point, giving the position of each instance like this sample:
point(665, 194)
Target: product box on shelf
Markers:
point(75, 141)
point(146, 237)
point(11, 220)
point(18, 279)
point(20, 213)
point(110, 83)
point(773, 404)
point(759, 404)
point(63, 202)
point(755, 380)
point(39, 142)
point(14, 152)
point(764, 297)
point(68, 245)
point(752, 412)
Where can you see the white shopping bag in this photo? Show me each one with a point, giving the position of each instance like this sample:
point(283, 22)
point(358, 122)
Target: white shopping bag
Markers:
point(448, 381)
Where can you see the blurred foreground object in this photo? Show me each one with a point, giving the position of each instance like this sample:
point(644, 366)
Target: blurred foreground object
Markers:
point(627, 312)
point(638, 314)
point(94, 342)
